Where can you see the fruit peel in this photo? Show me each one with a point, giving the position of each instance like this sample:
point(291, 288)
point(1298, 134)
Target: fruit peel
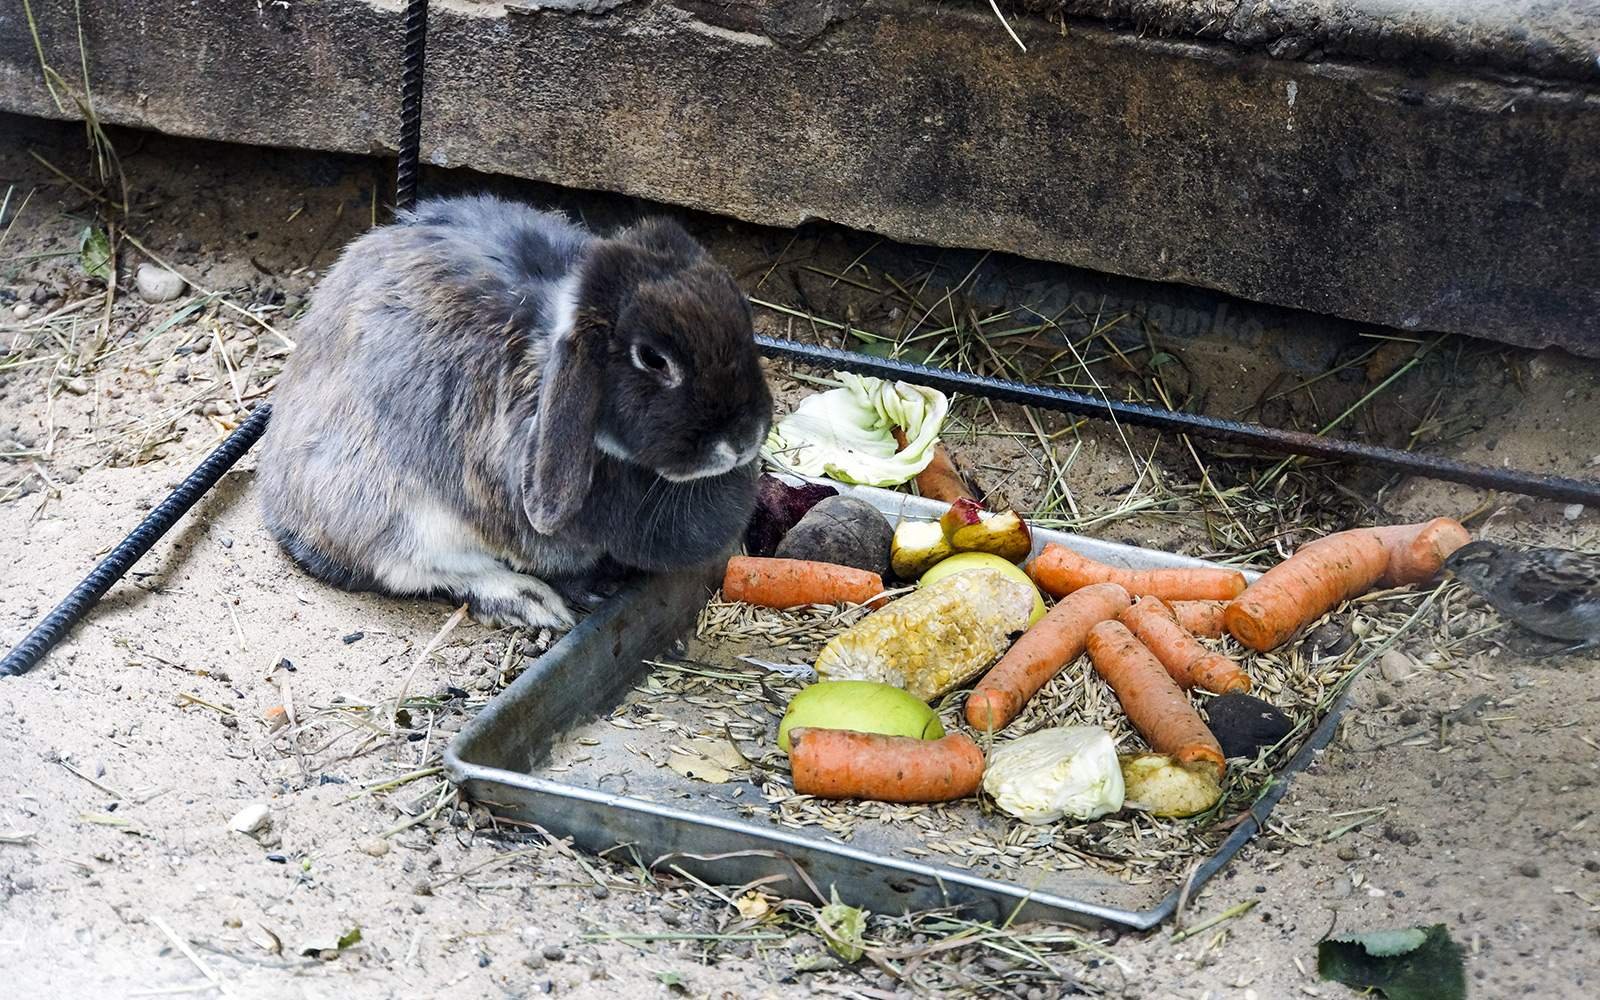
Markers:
point(970, 528)
point(860, 706)
point(917, 546)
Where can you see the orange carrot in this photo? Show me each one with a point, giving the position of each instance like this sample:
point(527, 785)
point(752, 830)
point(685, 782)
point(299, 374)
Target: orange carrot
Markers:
point(1061, 571)
point(1155, 704)
point(1417, 551)
point(792, 583)
point(841, 764)
point(1039, 655)
point(1189, 663)
point(1201, 618)
point(941, 480)
point(1302, 588)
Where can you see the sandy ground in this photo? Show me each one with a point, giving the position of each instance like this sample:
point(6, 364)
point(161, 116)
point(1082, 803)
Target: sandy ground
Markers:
point(134, 744)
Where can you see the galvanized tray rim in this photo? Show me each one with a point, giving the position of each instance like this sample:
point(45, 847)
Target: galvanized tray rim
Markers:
point(464, 772)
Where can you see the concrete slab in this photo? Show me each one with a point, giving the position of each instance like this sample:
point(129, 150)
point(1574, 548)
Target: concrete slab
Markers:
point(1417, 174)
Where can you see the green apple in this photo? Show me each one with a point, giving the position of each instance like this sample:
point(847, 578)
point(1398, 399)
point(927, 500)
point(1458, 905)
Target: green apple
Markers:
point(963, 561)
point(861, 706)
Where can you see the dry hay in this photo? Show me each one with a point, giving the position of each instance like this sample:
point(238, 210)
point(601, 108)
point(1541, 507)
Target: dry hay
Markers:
point(739, 702)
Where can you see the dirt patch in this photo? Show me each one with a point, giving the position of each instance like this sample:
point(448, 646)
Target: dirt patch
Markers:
point(139, 739)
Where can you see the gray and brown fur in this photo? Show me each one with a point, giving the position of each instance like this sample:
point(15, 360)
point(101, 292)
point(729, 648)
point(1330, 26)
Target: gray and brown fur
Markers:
point(487, 399)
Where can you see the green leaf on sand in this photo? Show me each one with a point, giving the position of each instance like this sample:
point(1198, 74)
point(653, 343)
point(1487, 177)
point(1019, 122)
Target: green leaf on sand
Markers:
point(671, 980)
point(843, 927)
point(1416, 963)
point(94, 253)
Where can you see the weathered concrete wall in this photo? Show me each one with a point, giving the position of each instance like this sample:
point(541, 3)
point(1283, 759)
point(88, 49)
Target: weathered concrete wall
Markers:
point(1424, 197)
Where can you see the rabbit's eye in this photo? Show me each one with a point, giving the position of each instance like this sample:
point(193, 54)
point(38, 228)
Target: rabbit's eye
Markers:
point(648, 359)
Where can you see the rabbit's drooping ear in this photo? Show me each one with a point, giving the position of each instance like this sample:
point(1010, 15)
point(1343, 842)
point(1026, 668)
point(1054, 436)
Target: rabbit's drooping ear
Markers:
point(664, 236)
point(561, 457)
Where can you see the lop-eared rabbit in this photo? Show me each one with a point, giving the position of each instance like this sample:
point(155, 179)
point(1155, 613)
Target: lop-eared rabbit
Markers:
point(491, 404)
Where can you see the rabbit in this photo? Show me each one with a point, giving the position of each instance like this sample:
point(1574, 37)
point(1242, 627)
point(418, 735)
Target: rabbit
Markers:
point(493, 405)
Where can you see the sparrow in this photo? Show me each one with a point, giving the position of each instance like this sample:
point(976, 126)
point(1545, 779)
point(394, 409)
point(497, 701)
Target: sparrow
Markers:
point(1554, 592)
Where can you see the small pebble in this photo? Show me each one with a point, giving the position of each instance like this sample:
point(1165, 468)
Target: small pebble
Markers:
point(22, 310)
point(600, 892)
point(377, 847)
point(1396, 666)
point(1528, 870)
point(422, 889)
point(77, 386)
point(554, 952)
point(1330, 638)
point(276, 717)
point(253, 818)
point(533, 960)
point(1342, 888)
point(1349, 853)
point(232, 922)
point(278, 859)
point(353, 637)
point(157, 284)
point(1573, 511)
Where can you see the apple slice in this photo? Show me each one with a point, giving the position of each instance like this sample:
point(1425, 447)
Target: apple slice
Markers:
point(916, 547)
point(970, 528)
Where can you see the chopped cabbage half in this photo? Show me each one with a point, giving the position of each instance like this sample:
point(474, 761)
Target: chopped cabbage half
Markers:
point(847, 434)
point(1055, 773)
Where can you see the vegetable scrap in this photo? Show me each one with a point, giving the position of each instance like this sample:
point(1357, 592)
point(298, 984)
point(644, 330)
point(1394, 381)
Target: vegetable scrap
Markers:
point(970, 528)
point(1325, 573)
point(1155, 704)
point(934, 639)
point(964, 561)
point(1189, 663)
point(1246, 725)
point(840, 764)
point(1069, 771)
point(847, 433)
point(1203, 619)
point(779, 507)
point(793, 583)
point(1059, 571)
point(843, 530)
point(862, 706)
point(941, 480)
point(917, 546)
point(1042, 652)
point(875, 726)
point(1156, 784)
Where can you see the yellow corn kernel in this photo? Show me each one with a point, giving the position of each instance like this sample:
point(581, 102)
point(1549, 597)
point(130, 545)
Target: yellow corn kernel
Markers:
point(936, 639)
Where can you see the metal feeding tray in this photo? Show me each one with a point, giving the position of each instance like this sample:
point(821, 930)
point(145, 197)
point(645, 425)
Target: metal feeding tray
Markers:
point(544, 752)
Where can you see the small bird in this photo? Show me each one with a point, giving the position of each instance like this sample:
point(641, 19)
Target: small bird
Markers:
point(1554, 592)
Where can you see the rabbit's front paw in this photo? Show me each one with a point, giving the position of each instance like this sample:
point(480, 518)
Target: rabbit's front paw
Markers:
point(512, 600)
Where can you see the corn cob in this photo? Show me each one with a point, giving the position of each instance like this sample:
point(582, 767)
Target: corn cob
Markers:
point(934, 640)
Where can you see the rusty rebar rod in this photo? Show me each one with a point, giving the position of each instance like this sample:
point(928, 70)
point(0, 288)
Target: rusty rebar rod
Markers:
point(1253, 435)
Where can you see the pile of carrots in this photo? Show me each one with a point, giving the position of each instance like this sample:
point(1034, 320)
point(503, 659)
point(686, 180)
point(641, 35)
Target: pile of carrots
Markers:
point(1141, 629)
